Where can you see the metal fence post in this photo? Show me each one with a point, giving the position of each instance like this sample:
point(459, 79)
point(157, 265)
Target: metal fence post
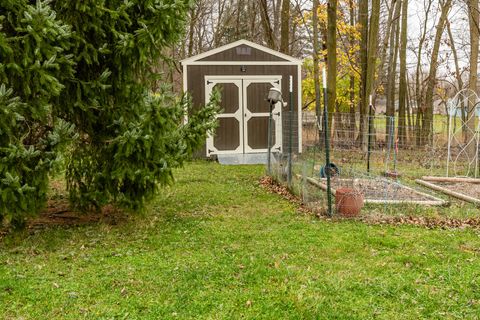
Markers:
point(327, 144)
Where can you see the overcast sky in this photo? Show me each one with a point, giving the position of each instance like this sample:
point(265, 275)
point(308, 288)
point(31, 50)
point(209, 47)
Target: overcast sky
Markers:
point(459, 25)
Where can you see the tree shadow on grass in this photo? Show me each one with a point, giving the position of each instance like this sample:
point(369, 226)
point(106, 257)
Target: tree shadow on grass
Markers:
point(59, 215)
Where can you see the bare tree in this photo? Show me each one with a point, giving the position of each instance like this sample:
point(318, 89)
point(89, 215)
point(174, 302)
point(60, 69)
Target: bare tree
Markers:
point(473, 19)
point(352, 43)
point(267, 26)
point(384, 45)
point(285, 27)
point(427, 123)
point(363, 61)
point(402, 91)
point(316, 62)
point(332, 54)
point(392, 68)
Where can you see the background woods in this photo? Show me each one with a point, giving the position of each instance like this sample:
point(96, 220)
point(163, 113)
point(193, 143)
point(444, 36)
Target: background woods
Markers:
point(410, 56)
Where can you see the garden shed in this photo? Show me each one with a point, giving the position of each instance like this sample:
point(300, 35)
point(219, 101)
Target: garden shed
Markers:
point(244, 72)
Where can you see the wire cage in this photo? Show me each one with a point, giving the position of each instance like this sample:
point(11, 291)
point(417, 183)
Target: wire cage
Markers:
point(463, 135)
point(368, 156)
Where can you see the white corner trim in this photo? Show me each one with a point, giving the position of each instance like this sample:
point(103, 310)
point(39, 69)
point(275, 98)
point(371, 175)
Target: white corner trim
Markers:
point(236, 44)
point(185, 88)
point(299, 101)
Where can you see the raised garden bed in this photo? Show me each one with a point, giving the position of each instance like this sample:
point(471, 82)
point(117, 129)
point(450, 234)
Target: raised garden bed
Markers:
point(466, 189)
point(381, 191)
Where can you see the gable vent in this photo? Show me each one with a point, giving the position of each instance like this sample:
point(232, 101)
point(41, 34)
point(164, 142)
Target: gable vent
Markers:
point(243, 51)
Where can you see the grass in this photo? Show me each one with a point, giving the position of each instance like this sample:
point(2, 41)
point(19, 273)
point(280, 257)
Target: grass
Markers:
point(217, 246)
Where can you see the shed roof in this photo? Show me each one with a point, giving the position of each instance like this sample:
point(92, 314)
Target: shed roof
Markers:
point(220, 55)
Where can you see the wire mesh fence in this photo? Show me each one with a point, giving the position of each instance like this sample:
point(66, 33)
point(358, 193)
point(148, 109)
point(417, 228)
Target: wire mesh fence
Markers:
point(374, 160)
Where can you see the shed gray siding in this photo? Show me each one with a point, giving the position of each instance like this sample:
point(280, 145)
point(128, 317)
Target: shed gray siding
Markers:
point(196, 87)
point(233, 54)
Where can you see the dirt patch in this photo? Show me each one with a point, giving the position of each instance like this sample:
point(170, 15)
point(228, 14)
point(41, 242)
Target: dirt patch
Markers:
point(59, 213)
point(468, 189)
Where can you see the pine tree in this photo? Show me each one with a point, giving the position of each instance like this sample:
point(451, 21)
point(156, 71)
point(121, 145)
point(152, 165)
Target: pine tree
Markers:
point(75, 80)
point(33, 60)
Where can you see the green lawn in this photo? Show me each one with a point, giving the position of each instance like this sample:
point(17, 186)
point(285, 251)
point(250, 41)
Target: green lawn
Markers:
point(217, 246)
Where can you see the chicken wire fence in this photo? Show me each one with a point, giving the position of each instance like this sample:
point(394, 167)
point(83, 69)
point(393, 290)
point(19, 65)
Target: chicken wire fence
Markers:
point(374, 158)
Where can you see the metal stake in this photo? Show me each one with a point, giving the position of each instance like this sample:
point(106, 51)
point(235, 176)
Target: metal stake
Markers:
point(327, 144)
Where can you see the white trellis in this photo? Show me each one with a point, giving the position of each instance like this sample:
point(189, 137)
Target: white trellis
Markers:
point(463, 139)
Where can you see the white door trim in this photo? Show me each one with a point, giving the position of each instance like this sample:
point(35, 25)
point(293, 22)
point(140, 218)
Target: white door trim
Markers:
point(243, 114)
point(276, 113)
point(237, 115)
point(243, 77)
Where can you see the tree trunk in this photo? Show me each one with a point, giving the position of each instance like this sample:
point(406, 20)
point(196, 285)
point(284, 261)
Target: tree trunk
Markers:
point(191, 30)
point(267, 26)
point(363, 56)
point(402, 90)
point(383, 54)
point(427, 121)
point(285, 27)
point(418, 86)
point(332, 56)
point(238, 23)
point(316, 71)
point(473, 76)
point(392, 70)
point(372, 48)
point(458, 74)
point(352, 76)
point(409, 107)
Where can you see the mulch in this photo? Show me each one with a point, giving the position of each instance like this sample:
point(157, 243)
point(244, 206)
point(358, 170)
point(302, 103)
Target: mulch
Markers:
point(58, 213)
point(374, 219)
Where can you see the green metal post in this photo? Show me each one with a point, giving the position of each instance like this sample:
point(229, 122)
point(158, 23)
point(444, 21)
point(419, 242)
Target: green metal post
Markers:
point(327, 144)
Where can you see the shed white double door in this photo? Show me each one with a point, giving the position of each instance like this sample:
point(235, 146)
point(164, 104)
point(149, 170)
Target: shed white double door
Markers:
point(243, 121)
